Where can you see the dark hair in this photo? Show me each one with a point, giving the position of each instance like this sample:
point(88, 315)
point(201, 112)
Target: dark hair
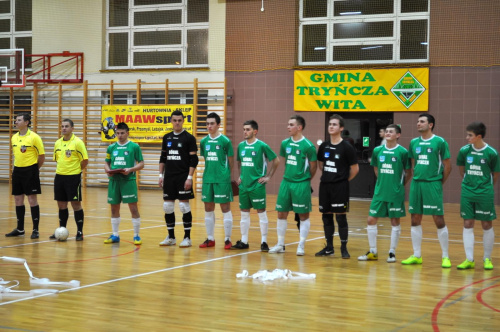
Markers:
point(26, 117)
point(69, 121)
point(338, 117)
point(177, 113)
point(346, 132)
point(430, 119)
point(396, 127)
point(478, 128)
point(252, 123)
point(215, 116)
point(300, 120)
point(122, 125)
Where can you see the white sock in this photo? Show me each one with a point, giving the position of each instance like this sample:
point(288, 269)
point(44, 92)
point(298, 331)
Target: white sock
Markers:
point(372, 237)
point(416, 240)
point(468, 236)
point(115, 225)
point(244, 226)
point(443, 240)
point(228, 224)
point(395, 233)
point(488, 241)
point(304, 230)
point(264, 223)
point(210, 224)
point(136, 223)
point(281, 228)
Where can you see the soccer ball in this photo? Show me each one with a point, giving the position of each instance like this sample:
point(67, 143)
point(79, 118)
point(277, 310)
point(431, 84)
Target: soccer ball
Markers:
point(61, 233)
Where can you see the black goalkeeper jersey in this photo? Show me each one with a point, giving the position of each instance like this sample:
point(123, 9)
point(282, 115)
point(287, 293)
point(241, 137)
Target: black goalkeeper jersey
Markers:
point(175, 151)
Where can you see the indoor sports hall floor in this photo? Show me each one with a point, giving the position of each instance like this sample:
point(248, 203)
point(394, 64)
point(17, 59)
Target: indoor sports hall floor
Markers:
point(152, 288)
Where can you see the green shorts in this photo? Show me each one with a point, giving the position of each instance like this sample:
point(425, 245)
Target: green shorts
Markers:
point(483, 211)
point(122, 191)
point(294, 196)
point(254, 198)
point(219, 193)
point(379, 209)
point(426, 198)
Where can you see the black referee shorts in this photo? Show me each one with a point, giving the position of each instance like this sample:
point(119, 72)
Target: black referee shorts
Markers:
point(26, 180)
point(68, 188)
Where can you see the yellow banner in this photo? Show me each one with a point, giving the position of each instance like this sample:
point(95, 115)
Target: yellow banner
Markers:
point(147, 123)
point(378, 90)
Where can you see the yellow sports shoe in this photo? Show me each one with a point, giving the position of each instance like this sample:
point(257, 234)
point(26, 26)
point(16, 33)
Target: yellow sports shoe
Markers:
point(112, 239)
point(466, 264)
point(488, 265)
point(370, 256)
point(137, 240)
point(412, 260)
point(446, 263)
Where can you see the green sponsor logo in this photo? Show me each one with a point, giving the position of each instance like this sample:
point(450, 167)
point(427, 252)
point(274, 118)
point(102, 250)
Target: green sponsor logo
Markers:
point(366, 141)
point(408, 89)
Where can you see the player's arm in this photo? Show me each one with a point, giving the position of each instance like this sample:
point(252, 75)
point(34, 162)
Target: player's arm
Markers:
point(107, 168)
point(274, 166)
point(41, 160)
point(375, 170)
point(320, 166)
point(495, 177)
point(231, 162)
point(238, 180)
point(84, 163)
point(193, 162)
point(354, 170)
point(447, 169)
point(137, 167)
point(161, 171)
point(461, 170)
point(408, 175)
point(313, 167)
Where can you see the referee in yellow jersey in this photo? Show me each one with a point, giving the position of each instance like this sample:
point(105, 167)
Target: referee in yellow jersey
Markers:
point(29, 156)
point(71, 157)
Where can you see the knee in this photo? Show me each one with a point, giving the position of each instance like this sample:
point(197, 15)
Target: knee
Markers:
point(327, 219)
point(184, 207)
point(341, 220)
point(168, 207)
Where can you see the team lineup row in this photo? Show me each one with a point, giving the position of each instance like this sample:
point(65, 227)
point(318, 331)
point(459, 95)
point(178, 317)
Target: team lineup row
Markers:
point(426, 162)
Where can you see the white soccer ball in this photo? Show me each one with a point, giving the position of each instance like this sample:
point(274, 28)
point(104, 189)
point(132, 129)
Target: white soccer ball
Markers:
point(61, 233)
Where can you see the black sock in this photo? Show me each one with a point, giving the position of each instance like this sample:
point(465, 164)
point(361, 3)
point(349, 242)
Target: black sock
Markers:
point(63, 217)
point(343, 229)
point(79, 220)
point(35, 215)
point(170, 220)
point(187, 220)
point(329, 228)
point(20, 211)
point(297, 219)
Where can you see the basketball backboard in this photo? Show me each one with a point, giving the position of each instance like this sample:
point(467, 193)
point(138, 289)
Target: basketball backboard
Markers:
point(12, 68)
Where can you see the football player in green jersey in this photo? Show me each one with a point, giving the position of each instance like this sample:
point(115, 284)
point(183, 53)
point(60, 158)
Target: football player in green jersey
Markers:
point(253, 155)
point(479, 167)
point(393, 170)
point(430, 157)
point(123, 159)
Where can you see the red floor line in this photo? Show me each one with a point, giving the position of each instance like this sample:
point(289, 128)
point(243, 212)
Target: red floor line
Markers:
point(479, 297)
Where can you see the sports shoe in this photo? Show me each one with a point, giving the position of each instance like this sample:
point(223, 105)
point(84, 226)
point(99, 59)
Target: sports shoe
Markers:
point(488, 265)
point(35, 234)
point(112, 239)
point(370, 256)
point(185, 243)
point(208, 243)
point(168, 242)
point(15, 232)
point(412, 260)
point(227, 244)
point(326, 251)
point(345, 253)
point(446, 263)
point(52, 237)
point(79, 236)
point(391, 258)
point(466, 264)
point(137, 240)
point(240, 245)
point(277, 249)
point(300, 250)
point(264, 247)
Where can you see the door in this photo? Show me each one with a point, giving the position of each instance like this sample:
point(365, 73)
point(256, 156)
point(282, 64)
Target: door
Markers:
point(362, 130)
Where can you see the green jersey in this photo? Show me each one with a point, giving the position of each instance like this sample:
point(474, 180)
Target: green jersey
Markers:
point(297, 156)
point(479, 168)
point(123, 156)
point(391, 165)
point(428, 155)
point(216, 152)
point(253, 162)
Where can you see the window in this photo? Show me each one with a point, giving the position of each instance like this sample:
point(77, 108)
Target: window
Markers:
point(156, 34)
point(15, 27)
point(335, 32)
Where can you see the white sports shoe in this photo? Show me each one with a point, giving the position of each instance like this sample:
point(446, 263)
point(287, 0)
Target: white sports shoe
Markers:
point(185, 243)
point(168, 242)
point(277, 249)
point(300, 250)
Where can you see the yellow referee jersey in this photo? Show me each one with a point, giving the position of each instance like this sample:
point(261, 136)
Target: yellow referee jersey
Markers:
point(26, 148)
point(69, 155)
